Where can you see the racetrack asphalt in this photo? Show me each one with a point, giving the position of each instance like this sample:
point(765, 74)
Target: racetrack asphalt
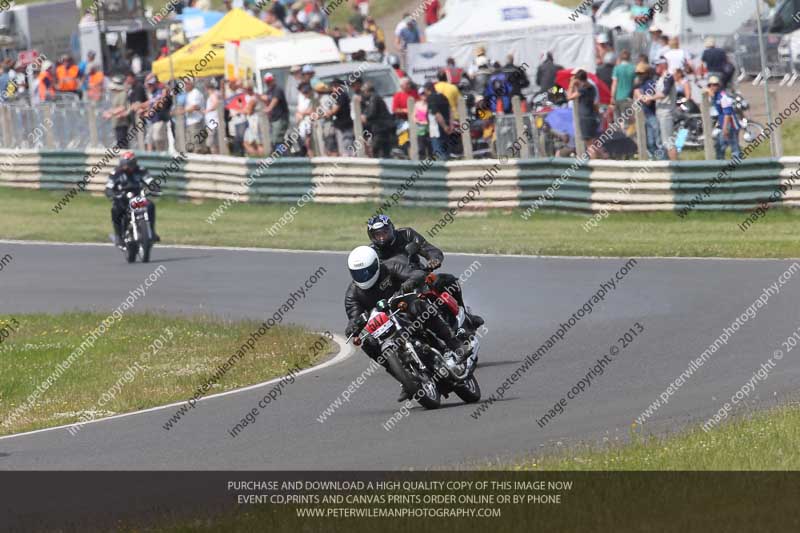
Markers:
point(683, 304)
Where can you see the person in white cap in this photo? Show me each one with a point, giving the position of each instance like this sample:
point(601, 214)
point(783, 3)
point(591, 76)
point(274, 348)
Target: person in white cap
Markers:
point(714, 61)
point(307, 75)
point(294, 81)
point(46, 82)
point(655, 50)
point(603, 46)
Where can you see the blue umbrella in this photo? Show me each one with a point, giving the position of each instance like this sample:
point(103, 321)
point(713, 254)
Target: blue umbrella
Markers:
point(560, 120)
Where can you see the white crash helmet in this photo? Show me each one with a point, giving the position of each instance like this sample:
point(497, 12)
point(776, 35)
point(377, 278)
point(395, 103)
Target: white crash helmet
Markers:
point(364, 266)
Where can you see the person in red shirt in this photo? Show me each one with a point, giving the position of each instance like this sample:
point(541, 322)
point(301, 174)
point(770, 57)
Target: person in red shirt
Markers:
point(363, 6)
point(400, 101)
point(432, 12)
point(453, 73)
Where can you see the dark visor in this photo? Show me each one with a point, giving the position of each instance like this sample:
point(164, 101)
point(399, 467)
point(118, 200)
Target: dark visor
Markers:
point(362, 275)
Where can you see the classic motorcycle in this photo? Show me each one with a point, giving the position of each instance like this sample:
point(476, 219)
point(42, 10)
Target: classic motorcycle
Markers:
point(138, 234)
point(419, 361)
point(689, 122)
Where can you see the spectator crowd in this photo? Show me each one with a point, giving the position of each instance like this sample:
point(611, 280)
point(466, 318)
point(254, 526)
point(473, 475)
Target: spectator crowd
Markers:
point(652, 72)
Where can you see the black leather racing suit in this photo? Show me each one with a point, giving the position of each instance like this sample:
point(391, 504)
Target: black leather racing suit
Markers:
point(390, 280)
point(404, 236)
point(119, 182)
point(397, 251)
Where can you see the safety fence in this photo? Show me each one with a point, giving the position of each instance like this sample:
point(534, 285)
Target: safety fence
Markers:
point(548, 182)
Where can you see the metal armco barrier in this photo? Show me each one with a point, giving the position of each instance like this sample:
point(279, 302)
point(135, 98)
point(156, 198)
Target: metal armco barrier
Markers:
point(611, 185)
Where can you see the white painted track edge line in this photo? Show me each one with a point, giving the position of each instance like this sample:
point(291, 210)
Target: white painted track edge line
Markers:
point(342, 252)
point(345, 351)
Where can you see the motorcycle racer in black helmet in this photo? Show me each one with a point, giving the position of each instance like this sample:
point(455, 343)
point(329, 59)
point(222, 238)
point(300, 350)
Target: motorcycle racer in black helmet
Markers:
point(128, 176)
point(390, 243)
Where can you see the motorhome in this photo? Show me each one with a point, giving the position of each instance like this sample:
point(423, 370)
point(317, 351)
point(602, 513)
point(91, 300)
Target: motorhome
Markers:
point(785, 19)
point(688, 19)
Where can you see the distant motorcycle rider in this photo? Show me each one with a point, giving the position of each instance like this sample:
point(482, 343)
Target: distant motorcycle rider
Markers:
point(128, 177)
point(374, 280)
point(390, 243)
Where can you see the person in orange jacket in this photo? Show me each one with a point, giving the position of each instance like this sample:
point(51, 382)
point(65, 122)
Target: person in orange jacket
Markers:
point(46, 82)
point(95, 84)
point(67, 76)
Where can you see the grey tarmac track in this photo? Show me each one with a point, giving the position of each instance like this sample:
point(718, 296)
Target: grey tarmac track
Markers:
point(683, 304)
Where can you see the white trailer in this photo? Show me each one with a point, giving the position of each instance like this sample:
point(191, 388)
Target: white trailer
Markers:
point(683, 18)
point(46, 27)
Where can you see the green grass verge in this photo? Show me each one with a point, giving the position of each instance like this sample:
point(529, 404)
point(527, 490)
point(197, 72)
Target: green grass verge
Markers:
point(760, 441)
point(764, 441)
point(198, 345)
point(25, 214)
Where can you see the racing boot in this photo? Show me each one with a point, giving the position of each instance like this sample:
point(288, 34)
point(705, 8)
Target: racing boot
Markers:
point(460, 349)
point(404, 395)
point(475, 321)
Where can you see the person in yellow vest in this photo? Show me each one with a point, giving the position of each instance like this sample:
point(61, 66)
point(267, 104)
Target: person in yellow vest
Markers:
point(95, 84)
point(46, 83)
point(67, 76)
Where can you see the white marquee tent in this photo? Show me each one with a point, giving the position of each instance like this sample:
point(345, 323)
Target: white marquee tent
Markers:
point(525, 28)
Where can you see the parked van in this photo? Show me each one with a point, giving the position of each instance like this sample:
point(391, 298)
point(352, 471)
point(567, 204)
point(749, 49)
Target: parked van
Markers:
point(252, 58)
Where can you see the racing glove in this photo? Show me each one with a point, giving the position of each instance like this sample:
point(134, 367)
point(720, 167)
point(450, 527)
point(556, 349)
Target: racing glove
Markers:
point(355, 325)
point(433, 264)
point(408, 285)
point(440, 284)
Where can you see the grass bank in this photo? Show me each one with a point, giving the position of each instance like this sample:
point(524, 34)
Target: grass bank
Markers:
point(691, 496)
point(760, 441)
point(141, 361)
point(25, 214)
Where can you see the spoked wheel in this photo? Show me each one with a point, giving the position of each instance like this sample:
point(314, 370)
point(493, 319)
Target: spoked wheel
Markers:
point(752, 131)
point(469, 390)
point(145, 243)
point(130, 252)
point(144, 249)
point(424, 391)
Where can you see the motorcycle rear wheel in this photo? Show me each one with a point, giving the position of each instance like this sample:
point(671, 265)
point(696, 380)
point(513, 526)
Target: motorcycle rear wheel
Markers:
point(426, 393)
point(130, 252)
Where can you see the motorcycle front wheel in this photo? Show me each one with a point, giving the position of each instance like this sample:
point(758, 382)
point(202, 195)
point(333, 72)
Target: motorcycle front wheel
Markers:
point(469, 390)
point(424, 391)
point(145, 244)
point(131, 248)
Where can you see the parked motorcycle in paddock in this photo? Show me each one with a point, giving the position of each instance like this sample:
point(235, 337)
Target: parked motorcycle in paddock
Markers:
point(419, 362)
point(689, 121)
